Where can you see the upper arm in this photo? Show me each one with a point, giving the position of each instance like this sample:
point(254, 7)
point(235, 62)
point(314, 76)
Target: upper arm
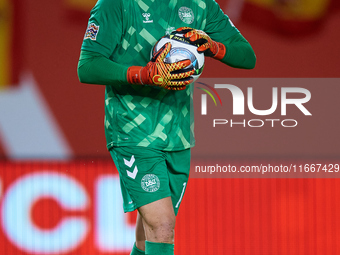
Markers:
point(218, 25)
point(105, 27)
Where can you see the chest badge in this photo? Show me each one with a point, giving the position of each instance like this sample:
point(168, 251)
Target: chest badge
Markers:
point(146, 17)
point(186, 15)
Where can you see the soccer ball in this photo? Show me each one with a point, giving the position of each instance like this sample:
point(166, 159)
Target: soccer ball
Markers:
point(181, 49)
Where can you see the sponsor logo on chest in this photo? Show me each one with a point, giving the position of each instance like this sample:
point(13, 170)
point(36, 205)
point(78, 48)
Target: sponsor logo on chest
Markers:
point(146, 17)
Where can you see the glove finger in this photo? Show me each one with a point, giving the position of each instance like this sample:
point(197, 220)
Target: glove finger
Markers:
point(192, 36)
point(198, 40)
point(180, 83)
point(180, 76)
point(175, 87)
point(198, 33)
point(183, 30)
point(161, 53)
point(203, 47)
point(178, 65)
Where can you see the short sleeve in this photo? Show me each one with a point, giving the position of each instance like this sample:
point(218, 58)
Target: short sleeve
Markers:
point(105, 26)
point(219, 27)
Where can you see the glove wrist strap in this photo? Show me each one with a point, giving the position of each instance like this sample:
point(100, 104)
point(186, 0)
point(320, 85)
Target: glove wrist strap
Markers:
point(134, 75)
point(221, 50)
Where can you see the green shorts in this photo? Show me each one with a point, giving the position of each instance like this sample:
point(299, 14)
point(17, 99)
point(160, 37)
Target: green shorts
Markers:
point(147, 175)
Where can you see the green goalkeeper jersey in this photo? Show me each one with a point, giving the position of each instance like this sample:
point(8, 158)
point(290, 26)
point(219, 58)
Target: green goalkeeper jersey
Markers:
point(125, 32)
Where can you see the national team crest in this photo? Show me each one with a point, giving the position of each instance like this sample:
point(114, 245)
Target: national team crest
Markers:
point(91, 32)
point(186, 15)
point(150, 183)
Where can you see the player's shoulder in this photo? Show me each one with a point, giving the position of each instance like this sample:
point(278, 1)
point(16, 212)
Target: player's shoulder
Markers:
point(109, 3)
point(202, 2)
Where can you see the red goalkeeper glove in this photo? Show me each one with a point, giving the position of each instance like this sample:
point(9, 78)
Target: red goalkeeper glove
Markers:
point(204, 43)
point(157, 73)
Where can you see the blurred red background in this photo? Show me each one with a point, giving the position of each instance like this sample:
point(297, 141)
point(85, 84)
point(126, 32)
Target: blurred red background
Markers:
point(49, 122)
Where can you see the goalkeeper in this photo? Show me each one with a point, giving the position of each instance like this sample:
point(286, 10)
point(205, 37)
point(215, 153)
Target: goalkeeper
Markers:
point(148, 122)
